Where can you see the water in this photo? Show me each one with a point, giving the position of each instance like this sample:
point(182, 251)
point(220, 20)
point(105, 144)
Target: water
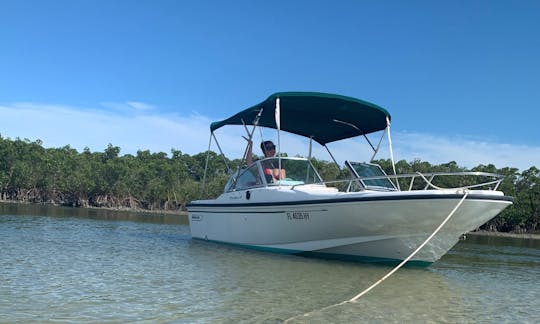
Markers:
point(63, 265)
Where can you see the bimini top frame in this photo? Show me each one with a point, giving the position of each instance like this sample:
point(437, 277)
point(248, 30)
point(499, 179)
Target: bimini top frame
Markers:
point(322, 117)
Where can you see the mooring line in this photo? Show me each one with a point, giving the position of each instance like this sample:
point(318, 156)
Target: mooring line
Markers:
point(401, 264)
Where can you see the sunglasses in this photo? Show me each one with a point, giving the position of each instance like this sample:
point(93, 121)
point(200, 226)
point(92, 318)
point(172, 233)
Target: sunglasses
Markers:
point(270, 147)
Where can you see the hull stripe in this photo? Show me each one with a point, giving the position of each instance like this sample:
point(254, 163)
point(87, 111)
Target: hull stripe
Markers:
point(354, 199)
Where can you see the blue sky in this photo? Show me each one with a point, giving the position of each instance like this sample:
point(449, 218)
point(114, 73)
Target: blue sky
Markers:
point(460, 78)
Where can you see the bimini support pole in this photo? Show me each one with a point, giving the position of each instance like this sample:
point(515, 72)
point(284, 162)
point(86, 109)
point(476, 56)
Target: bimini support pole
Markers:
point(391, 151)
point(358, 130)
point(250, 134)
point(221, 152)
point(378, 146)
point(310, 147)
point(333, 158)
point(206, 164)
point(278, 127)
point(309, 158)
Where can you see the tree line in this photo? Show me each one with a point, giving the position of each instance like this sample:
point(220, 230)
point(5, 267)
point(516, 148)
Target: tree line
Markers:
point(158, 181)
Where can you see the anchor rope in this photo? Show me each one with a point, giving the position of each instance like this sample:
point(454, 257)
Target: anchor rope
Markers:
point(401, 264)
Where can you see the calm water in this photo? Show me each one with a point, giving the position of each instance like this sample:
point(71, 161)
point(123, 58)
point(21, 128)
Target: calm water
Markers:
point(64, 265)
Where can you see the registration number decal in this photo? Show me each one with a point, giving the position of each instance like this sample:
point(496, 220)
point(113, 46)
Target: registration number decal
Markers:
point(298, 215)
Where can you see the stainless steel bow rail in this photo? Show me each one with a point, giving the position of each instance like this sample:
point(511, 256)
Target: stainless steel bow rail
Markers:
point(424, 181)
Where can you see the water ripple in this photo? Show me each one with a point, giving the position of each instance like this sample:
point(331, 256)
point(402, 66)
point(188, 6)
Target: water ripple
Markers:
point(72, 269)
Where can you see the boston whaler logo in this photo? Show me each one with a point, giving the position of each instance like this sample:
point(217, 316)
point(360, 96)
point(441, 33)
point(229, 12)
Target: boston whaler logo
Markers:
point(196, 217)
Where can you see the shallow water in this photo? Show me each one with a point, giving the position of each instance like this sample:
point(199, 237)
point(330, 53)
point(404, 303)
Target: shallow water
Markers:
point(66, 265)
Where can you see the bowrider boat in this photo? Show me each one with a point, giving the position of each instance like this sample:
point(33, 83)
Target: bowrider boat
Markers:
point(370, 216)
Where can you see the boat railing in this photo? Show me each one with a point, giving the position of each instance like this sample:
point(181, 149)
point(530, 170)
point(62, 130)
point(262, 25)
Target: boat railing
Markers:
point(427, 180)
point(422, 181)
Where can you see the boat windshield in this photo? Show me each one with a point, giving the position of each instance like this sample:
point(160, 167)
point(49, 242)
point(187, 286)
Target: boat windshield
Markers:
point(295, 171)
point(364, 171)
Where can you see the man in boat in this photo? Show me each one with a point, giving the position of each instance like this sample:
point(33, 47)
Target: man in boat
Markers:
point(270, 167)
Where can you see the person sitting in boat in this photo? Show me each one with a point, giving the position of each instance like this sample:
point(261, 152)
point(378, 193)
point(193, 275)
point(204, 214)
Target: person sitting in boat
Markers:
point(271, 170)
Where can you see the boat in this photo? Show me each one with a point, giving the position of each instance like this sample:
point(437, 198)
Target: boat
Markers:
point(369, 216)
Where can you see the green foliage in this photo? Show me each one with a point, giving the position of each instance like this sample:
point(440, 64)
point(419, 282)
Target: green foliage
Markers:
point(29, 172)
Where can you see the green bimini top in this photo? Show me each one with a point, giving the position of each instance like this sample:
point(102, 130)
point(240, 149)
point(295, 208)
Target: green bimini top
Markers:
point(324, 117)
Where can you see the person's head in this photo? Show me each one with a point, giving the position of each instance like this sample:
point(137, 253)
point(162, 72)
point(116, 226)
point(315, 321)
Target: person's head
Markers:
point(268, 148)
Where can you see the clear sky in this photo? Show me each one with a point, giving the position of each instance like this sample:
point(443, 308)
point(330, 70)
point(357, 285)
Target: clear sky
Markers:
point(460, 78)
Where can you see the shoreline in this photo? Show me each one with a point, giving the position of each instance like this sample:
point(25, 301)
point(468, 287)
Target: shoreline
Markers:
point(138, 210)
point(116, 209)
point(530, 236)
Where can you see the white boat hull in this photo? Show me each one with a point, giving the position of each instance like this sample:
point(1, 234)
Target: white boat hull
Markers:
point(371, 226)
